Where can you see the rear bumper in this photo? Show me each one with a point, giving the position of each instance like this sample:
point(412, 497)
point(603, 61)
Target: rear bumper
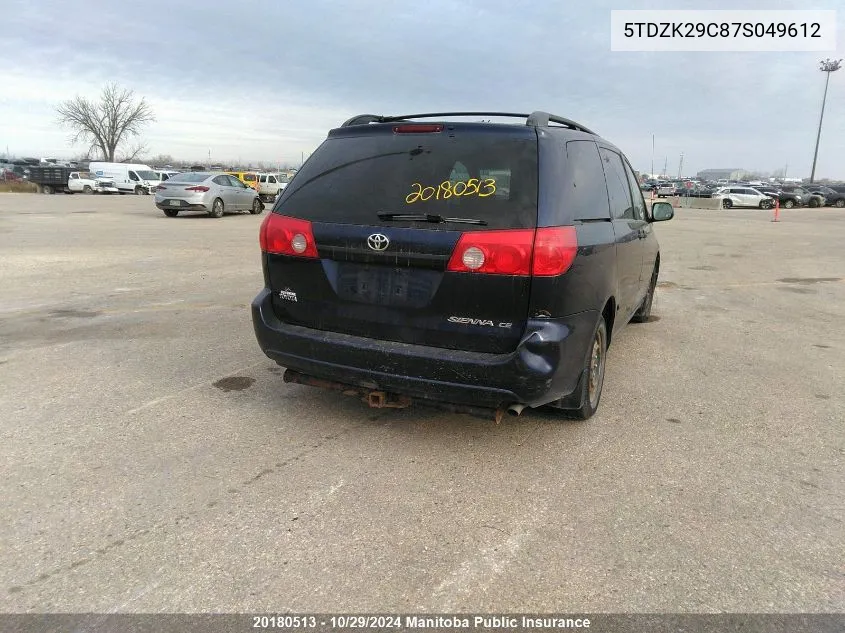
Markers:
point(545, 367)
point(183, 207)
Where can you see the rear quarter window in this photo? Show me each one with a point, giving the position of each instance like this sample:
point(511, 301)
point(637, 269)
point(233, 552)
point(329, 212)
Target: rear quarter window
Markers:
point(618, 191)
point(477, 175)
point(585, 192)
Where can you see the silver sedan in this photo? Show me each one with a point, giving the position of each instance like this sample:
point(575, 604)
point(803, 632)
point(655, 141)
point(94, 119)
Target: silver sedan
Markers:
point(214, 193)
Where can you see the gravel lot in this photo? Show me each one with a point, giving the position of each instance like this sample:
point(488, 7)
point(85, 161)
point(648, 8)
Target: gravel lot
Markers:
point(154, 461)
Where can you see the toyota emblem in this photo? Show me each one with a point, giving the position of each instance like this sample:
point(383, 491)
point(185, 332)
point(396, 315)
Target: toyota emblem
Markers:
point(378, 242)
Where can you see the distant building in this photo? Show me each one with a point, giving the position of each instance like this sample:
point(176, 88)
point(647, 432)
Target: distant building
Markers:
point(721, 174)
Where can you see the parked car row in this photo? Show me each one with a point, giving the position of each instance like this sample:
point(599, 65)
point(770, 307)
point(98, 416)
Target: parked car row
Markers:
point(787, 196)
point(123, 178)
point(756, 195)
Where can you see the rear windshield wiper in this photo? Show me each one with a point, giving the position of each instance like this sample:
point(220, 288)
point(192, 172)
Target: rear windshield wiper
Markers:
point(429, 217)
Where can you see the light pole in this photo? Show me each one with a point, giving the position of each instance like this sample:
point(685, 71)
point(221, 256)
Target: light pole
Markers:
point(827, 66)
point(652, 155)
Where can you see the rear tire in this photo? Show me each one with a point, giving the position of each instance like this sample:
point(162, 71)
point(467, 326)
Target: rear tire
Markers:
point(839, 203)
point(644, 313)
point(216, 208)
point(48, 189)
point(727, 203)
point(788, 204)
point(171, 213)
point(257, 207)
point(594, 374)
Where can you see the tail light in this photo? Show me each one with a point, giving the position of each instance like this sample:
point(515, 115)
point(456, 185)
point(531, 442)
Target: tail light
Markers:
point(417, 128)
point(544, 252)
point(283, 235)
point(493, 252)
point(202, 188)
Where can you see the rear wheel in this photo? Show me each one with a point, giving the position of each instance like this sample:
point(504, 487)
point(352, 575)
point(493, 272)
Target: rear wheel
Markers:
point(171, 213)
point(788, 204)
point(727, 203)
point(257, 207)
point(87, 189)
point(48, 189)
point(216, 209)
point(594, 374)
point(644, 313)
point(839, 203)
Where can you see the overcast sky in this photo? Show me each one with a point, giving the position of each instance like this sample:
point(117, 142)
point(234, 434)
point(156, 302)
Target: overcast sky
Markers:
point(268, 83)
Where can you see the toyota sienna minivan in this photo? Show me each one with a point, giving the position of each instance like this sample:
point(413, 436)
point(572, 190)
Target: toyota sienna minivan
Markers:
point(476, 266)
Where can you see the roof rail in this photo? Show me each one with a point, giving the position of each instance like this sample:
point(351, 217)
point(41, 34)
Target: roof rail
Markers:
point(535, 119)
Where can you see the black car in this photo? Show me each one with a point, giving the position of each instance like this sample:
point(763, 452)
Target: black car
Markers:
point(805, 196)
point(832, 197)
point(786, 199)
point(475, 266)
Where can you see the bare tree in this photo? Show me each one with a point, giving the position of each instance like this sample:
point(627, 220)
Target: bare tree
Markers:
point(107, 123)
point(133, 153)
point(161, 160)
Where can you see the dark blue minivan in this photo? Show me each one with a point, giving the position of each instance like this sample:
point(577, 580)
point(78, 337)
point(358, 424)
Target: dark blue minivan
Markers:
point(475, 266)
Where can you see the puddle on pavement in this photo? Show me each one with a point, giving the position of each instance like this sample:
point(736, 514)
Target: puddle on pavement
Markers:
point(809, 280)
point(75, 314)
point(234, 383)
point(800, 291)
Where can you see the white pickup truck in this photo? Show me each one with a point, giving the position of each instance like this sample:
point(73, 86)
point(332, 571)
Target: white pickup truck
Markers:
point(84, 182)
point(269, 186)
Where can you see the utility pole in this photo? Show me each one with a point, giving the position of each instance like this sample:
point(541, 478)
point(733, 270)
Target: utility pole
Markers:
point(827, 66)
point(665, 167)
point(652, 155)
point(680, 165)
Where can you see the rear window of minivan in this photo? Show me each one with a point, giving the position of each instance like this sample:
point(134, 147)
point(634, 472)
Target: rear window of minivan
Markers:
point(465, 174)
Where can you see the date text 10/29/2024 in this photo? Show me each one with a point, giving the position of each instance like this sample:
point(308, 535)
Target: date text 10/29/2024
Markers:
point(415, 621)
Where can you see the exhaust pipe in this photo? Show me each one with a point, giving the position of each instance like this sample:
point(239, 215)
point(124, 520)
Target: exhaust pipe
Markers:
point(516, 409)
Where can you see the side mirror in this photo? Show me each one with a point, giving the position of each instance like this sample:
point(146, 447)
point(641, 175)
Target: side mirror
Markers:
point(662, 211)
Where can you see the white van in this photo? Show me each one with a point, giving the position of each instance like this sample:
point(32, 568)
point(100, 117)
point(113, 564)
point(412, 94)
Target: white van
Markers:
point(270, 185)
point(127, 177)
